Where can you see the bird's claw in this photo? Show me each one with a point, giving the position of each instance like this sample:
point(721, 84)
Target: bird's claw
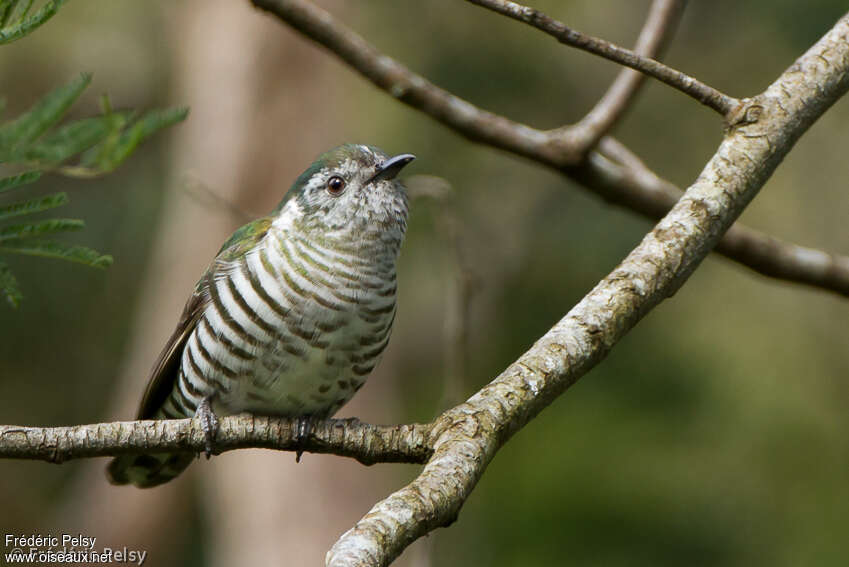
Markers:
point(209, 424)
point(303, 430)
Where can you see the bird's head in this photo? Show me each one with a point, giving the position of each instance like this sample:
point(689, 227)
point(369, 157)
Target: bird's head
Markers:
point(349, 187)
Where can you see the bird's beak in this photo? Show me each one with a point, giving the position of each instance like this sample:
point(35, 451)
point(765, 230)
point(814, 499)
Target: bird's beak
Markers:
point(390, 168)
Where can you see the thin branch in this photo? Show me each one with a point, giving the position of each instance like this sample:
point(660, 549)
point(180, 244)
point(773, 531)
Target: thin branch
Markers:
point(703, 93)
point(346, 437)
point(615, 181)
point(657, 30)
point(468, 436)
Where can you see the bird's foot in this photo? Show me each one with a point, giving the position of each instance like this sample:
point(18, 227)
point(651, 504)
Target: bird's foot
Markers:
point(303, 430)
point(209, 424)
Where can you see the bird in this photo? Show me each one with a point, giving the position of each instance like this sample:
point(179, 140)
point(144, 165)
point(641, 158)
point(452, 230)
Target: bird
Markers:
point(293, 313)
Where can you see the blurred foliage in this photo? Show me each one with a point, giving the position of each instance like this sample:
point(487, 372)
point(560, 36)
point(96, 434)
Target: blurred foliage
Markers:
point(713, 434)
point(35, 142)
point(16, 20)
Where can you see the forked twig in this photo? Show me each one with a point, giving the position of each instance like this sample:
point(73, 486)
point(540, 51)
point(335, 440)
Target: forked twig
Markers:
point(661, 20)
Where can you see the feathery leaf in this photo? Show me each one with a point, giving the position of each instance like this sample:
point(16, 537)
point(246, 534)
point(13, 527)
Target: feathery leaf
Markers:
point(71, 139)
point(30, 230)
point(99, 143)
point(110, 153)
point(33, 205)
point(23, 25)
point(7, 183)
point(43, 114)
point(58, 250)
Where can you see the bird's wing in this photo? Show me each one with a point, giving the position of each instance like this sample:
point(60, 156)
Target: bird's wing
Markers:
point(167, 367)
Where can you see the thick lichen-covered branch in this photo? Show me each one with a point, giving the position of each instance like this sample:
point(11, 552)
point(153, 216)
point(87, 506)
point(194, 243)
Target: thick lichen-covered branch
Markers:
point(615, 181)
point(346, 437)
point(468, 436)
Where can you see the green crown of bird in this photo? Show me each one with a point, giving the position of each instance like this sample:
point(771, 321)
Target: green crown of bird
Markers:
point(293, 313)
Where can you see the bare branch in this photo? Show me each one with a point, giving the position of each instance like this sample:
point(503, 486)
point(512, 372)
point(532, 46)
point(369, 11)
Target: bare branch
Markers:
point(615, 181)
point(657, 30)
point(346, 437)
point(703, 93)
point(468, 436)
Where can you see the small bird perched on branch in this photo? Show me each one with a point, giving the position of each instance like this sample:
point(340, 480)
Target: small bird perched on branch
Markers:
point(294, 312)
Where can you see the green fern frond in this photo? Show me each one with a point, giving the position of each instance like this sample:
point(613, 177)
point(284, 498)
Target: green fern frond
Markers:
point(57, 250)
point(40, 228)
point(7, 183)
point(72, 139)
point(110, 153)
point(24, 25)
point(102, 142)
point(97, 145)
point(146, 126)
point(43, 114)
point(33, 205)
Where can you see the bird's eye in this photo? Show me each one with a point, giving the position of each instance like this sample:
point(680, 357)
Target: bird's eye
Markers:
point(335, 185)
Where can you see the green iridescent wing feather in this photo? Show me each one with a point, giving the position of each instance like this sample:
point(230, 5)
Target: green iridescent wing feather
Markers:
point(244, 239)
point(167, 367)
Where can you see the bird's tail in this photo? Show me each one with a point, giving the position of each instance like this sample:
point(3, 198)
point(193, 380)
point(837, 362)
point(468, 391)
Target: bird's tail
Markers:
point(145, 471)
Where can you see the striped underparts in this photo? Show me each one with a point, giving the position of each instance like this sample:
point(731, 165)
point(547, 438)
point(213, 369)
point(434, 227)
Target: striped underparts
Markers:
point(292, 328)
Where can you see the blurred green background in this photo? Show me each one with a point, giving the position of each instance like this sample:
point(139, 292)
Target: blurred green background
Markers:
point(715, 433)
